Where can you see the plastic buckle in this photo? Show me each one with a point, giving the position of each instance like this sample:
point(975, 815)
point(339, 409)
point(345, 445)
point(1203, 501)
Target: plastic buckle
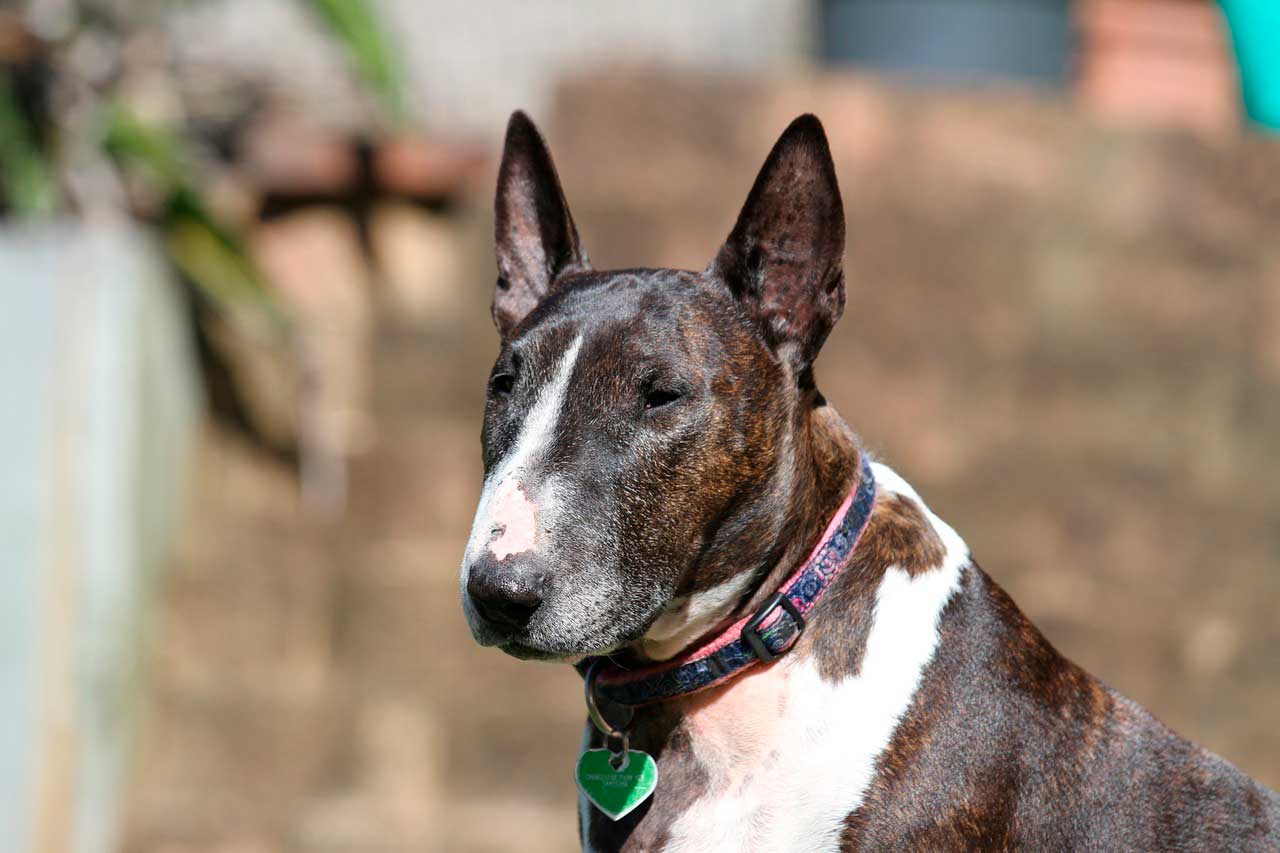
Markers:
point(751, 633)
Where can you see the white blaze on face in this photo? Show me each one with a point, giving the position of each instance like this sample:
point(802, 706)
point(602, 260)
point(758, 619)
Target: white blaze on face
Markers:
point(516, 516)
point(507, 518)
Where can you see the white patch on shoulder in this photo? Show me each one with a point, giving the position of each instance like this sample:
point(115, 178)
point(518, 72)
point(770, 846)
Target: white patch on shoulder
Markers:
point(818, 759)
point(889, 480)
point(688, 617)
point(538, 428)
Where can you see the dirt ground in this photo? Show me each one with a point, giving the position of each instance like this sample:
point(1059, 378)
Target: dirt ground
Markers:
point(1064, 336)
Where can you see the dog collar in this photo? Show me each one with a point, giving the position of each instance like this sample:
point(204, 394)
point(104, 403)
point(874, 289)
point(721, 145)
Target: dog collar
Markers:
point(766, 635)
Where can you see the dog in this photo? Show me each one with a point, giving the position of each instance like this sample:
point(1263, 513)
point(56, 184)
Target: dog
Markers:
point(806, 657)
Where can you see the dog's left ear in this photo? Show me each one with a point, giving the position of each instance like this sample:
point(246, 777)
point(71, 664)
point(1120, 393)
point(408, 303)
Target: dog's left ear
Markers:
point(784, 258)
point(534, 235)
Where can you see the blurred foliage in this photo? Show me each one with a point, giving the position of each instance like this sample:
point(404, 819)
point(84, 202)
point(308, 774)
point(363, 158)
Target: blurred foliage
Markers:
point(209, 253)
point(96, 120)
point(356, 25)
point(205, 248)
point(156, 151)
point(26, 181)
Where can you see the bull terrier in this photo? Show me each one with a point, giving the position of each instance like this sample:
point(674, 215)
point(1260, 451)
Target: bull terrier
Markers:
point(785, 649)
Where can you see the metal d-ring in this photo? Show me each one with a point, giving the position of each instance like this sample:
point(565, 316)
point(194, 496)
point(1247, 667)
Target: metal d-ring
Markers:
point(611, 735)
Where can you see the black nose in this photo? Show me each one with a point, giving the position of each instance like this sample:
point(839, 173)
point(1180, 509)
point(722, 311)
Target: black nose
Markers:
point(506, 596)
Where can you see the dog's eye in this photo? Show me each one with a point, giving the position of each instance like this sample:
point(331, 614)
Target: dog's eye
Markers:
point(503, 379)
point(501, 385)
point(657, 397)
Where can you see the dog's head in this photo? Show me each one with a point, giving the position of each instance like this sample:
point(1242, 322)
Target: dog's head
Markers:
point(640, 424)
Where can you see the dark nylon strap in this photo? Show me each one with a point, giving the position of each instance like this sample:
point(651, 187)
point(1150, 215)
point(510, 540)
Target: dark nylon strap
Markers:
point(777, 632)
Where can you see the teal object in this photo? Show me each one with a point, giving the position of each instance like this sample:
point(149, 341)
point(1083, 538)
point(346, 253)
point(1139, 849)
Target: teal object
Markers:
point(1255, 32)
point(617, 791)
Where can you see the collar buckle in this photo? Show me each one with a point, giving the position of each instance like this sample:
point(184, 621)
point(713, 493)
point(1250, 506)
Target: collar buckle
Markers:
point(751, 630)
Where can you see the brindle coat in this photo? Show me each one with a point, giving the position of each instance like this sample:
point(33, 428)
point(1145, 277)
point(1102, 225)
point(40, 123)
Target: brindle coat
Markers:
point(664, 430)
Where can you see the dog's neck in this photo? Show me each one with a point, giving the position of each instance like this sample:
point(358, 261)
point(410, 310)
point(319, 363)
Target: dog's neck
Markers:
point(826, 462)
point(815, 473)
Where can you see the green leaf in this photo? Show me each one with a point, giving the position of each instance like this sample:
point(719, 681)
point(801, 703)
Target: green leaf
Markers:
point(155, 150)
point(26, 179)
point(355, 23)
point(212, 255)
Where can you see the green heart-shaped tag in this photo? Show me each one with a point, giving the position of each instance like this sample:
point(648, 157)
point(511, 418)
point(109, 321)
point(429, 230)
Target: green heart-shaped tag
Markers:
point(617, 792)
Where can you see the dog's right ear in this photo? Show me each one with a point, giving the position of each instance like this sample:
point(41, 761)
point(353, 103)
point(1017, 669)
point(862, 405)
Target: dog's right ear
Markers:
point(783, 260)
point(534, 235)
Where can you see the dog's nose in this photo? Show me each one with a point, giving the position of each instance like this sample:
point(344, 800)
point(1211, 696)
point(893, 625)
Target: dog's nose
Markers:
point(506, 596)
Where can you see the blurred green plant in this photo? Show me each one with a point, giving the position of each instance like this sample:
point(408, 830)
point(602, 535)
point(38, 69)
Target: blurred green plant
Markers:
point(356, 25)
point(26, 180)
point(73, 141)
point(209, 253)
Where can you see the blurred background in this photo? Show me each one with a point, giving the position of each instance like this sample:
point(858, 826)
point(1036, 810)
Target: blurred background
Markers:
point(245, 264)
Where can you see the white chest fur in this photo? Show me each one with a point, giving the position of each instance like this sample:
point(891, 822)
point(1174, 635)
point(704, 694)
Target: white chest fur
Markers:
point(790, 754)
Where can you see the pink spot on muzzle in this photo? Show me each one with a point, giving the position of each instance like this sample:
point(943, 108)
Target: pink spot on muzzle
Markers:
point(517, 516)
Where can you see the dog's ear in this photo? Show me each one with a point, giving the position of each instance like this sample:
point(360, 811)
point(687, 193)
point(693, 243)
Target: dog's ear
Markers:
point(784, 258)
point(534, 234)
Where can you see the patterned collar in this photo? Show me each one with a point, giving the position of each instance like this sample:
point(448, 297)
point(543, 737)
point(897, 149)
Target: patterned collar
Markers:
point(769, 633)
